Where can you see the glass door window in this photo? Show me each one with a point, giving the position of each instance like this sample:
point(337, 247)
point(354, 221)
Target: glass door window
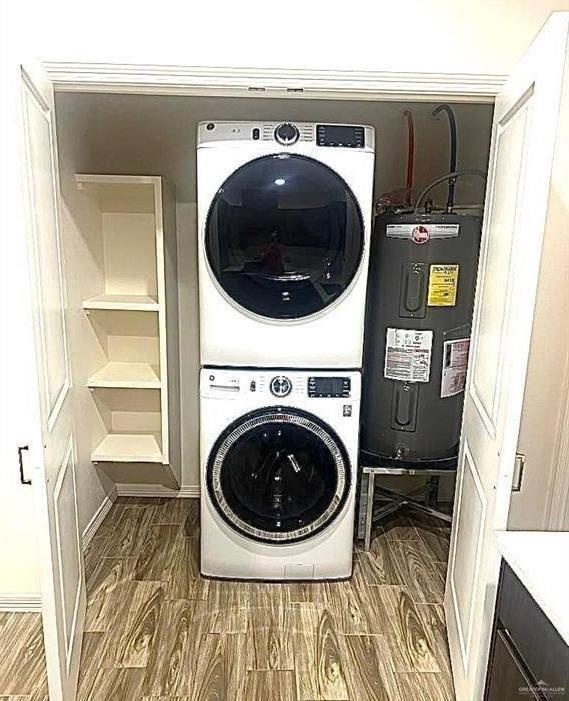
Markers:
point(278, 475)
point(284, 236)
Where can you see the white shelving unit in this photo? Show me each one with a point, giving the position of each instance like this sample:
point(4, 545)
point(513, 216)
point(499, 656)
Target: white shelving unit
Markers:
point(131, 307)
point(126, 375)
point(134, 303)
point(128, 447)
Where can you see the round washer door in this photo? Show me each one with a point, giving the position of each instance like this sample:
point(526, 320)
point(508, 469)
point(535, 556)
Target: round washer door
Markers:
point(284, 236)
point(278, 475)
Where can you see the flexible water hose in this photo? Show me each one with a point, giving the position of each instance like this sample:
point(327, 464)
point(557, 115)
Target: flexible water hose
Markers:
point(453, 149)
point(453, 175)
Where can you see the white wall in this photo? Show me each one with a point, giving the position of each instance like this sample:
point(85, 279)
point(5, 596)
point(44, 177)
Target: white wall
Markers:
point(156, 136)
point(458, 36)
point(82, 253)
point(462, 36)
point(145, 132)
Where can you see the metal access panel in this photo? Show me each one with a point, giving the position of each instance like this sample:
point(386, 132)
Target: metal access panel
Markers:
point(413, 290)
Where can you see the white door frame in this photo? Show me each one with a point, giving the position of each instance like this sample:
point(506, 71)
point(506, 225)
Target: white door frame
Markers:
point(122, 78)
point(155, 79)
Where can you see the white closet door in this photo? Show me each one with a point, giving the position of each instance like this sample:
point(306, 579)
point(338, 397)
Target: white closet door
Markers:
point(53, 451)
point(517, 200)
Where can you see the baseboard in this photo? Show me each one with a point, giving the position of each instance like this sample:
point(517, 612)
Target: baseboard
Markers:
point(157, 490)
point(20, 602)
point(98, 518)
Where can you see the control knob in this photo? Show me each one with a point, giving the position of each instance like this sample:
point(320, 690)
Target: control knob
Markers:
point(287, 134)
point(281, 386)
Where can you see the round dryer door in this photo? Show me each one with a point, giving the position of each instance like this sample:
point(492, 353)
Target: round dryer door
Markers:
point(278, 475)
point(284, 236)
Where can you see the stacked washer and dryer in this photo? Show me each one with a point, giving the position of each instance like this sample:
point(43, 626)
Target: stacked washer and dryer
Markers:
point(284, 216)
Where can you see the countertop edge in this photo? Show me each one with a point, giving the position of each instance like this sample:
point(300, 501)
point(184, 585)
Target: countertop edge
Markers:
point(551, 607)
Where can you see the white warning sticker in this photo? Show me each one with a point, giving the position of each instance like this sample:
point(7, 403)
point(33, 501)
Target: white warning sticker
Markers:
point(408, 355)
point(426, 230)
point(455, 363)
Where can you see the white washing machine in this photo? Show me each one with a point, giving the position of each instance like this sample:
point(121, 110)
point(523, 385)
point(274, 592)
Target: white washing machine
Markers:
point(284, 216)
point(278, 473)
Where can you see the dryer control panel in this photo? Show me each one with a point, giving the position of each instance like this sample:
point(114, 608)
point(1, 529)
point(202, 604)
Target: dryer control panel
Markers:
point(340, 135)
point(288, 135)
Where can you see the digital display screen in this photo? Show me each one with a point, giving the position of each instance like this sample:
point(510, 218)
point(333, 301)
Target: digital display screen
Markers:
point(329, 385)
point(339, 135)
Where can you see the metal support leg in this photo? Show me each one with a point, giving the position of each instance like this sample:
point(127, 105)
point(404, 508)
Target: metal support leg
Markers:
point(362, 508)
point(432, 496)
point(369, 513)
point(400, 500)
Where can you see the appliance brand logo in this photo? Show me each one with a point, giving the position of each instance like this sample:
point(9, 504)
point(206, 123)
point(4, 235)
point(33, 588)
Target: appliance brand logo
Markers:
point(420, 234)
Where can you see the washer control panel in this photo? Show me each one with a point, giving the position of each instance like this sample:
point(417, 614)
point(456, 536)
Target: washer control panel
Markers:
point(290, 384)
point(280, 386)
point(329, 386)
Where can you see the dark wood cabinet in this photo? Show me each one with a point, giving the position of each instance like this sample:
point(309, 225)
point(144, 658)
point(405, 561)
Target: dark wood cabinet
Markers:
point(528, 657)
point(509, 679)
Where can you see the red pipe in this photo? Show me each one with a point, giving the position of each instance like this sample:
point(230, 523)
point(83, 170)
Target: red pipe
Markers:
point(410, 154)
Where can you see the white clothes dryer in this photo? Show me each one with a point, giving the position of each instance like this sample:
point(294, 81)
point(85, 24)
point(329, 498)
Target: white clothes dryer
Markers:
point(284, 216)
point(278, 473)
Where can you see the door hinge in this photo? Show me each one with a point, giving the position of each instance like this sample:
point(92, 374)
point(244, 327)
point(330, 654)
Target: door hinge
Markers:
point(519, 466)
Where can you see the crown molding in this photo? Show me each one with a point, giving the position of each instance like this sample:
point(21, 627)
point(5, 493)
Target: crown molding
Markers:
point(270, 82)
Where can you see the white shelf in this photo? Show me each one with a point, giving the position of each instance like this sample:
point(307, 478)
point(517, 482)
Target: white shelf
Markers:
point(131, 356)
point(129, 375)
point(136, 303)
point(128, 447)
point(106, 180)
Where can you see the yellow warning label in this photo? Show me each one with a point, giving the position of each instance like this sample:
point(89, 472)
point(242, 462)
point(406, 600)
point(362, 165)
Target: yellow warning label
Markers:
point(443, 283)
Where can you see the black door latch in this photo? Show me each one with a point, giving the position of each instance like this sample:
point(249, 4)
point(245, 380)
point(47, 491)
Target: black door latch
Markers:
point(21, 449)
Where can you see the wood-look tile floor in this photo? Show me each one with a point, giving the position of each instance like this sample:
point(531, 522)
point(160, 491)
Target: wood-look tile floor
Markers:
point(22, 658)
point(157, 631)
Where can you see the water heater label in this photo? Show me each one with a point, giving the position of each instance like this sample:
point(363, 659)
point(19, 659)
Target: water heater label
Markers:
point(455, 363)
point(431, 231)
point(443, 283)
point(408, 355)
